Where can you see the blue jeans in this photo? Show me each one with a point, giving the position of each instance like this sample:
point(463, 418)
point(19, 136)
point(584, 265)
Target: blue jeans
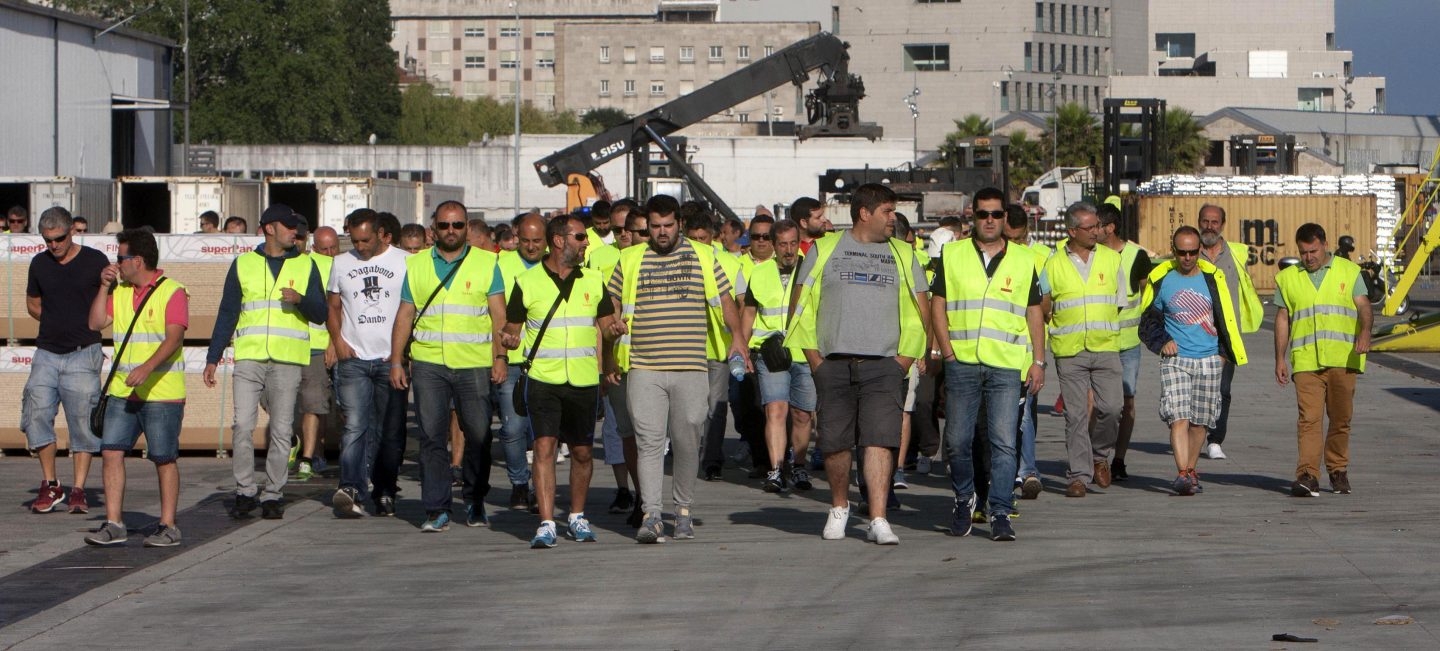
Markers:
point(71, 379)
point(125, 420)
point(965, 386)
point(1026, 441)
point(514, 431)
point(362, 387)
point(385, 474)
point(436, 389)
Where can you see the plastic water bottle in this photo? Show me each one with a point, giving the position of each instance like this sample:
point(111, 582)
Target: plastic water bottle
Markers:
point(737, 367)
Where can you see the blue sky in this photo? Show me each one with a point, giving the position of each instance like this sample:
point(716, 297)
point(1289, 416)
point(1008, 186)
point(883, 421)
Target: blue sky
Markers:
point(1394, 38)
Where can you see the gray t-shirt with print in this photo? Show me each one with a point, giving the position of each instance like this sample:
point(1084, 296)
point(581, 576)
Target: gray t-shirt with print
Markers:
point(859, 304)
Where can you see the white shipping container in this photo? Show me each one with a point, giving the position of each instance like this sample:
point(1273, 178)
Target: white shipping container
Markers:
point(328, 200)
point(172, 204)
point(89, 198)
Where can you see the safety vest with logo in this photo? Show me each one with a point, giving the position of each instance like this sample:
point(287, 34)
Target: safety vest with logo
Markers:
point(270, 329)
point(717, 338)
point(1130, 313)
point(1323, 320)
point(455, 331)
point(912, 330)
point(511, 266)
point(771, 290)
point(319, 334)
point(167, 382)
point(1084, 315)
point(569, 353)
point(986, 315)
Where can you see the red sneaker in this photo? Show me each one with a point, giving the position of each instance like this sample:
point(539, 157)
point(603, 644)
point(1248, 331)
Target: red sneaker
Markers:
point(77, 501)
point(50, 498)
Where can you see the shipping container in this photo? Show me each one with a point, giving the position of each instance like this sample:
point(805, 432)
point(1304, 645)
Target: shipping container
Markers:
point(325, 201)
point(92, 199)
point(172, 204)
point(1266, 224)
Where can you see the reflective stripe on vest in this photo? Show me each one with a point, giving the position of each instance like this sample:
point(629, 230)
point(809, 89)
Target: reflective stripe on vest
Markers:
point(167, 382)
point(1130, 312)
point(717, 338)
point(1323, 320)
point(568, 353)
point(988, 325)
point(268, 328)
point(1085, 315)
point(456, 329)
point(319, 334)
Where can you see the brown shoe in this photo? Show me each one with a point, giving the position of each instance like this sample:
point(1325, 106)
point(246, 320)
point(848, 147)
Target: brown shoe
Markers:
point(1340, 482)
point(1102, 473)
point(1076, 489)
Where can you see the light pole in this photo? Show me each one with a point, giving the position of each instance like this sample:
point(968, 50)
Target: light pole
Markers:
point(1345, 121)
point(515, 4)
point(912, 103)
point(1055, 124)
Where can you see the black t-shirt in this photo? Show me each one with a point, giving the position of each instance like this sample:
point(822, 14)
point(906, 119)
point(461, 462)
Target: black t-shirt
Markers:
point(66, 291)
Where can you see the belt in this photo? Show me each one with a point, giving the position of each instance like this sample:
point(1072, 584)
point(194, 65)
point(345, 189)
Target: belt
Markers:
point(854, 359)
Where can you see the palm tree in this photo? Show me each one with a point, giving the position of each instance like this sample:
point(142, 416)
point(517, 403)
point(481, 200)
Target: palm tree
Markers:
point(969, 126)
point(1079, 142)
point(1184, 145)
point(1027, 159)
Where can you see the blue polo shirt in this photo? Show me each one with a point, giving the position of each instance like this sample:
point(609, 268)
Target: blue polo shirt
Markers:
point(442, 269)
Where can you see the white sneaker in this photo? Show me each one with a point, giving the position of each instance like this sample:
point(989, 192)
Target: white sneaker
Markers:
point(835, 524)
point(922, 465)
point(1213, 451)
point(881, 534)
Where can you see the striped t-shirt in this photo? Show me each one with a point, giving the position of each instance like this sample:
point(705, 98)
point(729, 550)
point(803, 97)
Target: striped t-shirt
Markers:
point(668, 332)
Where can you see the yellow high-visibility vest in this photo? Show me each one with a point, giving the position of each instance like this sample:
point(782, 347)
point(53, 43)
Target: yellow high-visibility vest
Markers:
point(167, 382)
point(456, 329)
point(569, 353)
point(1323, 320)
point(319, 334)
point(986, 314)
point(270, 329)
point(1084, 315)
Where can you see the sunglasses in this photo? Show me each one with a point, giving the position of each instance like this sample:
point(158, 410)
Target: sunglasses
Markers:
point(1186, 253)
point(580, 237)
point(763, 237)
point(991, 214)
point(456, 226)
point(638, 231)
point(15, 221)
point(55, 240)
point(121, 258)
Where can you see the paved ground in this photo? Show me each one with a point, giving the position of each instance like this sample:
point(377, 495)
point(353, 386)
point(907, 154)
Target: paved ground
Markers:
point(1127, 567)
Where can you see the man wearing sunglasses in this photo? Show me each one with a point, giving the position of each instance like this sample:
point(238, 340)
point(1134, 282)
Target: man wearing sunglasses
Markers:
point(64, 279)
point(1191, 323)
point(17, 220)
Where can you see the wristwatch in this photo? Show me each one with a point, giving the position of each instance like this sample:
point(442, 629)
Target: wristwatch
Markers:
point(1040, 363)
point(936, 352)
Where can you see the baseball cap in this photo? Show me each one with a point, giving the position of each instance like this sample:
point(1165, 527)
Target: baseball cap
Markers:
point(280, 213)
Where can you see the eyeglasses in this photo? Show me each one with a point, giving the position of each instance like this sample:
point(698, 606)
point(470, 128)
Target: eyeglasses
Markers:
point(991, 214)
point(1092, 227)
point(455, 226)
point(764, 237)
point(55, 240)
point(1186, 253)
point(638, 231)
point(581, 236)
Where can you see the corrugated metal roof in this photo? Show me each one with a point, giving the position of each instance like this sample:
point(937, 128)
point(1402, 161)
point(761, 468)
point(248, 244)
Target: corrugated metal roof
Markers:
point(1359, 124)
point(97, 25)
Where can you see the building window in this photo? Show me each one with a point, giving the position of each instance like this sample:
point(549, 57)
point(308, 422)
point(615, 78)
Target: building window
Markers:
point(439, 28)
point(1063, 29)
point(687, 54)
point(744, 117)
point(474, 62)
point(508, 59)
point(657, 87)
point(629, 54)
point(544, 28)
point(1175, 45)
point(475, 31)
point(769, 50)
point(928, 57)
point(545, 58)
point(440, 59)
point(604, 54)
point(1052, 17)
point(604, 87)
point(743, 53)
point(1039, 16)
point(717, 53)
point(629, 87)
point(1028, 60)
point(657, 54)
point(509, 30)
point(1315, 99)
point(1004, 96)
point(474, 89)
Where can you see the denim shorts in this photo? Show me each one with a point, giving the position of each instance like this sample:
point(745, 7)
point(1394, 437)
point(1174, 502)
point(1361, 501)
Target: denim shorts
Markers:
point(125, 420)
point(1130, 370)
point(795, 386)
point(69, 379)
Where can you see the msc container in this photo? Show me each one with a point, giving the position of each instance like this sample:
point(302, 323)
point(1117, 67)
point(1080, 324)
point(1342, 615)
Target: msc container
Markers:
point(92, 199)
point(325, 201)
point(1266, 224)
point(172, 204)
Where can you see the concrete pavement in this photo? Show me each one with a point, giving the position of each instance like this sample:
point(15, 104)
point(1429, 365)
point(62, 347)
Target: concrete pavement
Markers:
point(1126, 567)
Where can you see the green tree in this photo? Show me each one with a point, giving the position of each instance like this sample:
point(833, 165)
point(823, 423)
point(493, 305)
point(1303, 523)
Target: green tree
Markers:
point(429, 119)
point(970, 126)
point(1027, 159)
point(601, 119)
point(1184, 144)
point(1079, 141)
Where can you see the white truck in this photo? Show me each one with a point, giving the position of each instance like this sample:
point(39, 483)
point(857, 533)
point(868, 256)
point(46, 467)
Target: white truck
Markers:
point(172, 204)
point(327, 200)
point(93, 199)
point(1054, 191)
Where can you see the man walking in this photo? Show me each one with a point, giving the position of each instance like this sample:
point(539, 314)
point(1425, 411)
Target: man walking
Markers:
point(147, 393)
point(987, 292)
point(1191, 325)
point(1322, 333)
point(64, 279)
point(514, 428)
point(1017, 230)
point(559, 304)
point(364, 295)
point(1084, 291)
point(271, 296)
point(1135, 265)
point(315, 381)
point(859, 321)
point(1231, 258)
point(676, 304)
point(455, 359)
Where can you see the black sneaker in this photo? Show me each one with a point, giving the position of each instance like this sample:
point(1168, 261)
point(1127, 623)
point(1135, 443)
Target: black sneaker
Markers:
point(1340, 482)
point(712, 473)
point(1000, 529)
point(624, 501)
point(244, 504)
point(960, 522)
point(520, 497)
point(800, 478)
point(385, 506)
point(1306, 486)
point(774, 482)
point(271, 510)
point(1117, 470)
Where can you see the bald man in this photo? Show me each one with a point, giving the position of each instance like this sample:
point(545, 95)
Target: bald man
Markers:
point(514, 428)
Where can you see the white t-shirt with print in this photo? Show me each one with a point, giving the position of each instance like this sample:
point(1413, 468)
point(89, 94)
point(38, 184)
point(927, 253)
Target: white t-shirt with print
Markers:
point(370, 297)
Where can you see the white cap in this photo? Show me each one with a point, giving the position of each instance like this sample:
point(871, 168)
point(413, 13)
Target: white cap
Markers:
point(938, 240)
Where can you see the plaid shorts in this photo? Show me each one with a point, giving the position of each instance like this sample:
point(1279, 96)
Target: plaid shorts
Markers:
point(1190, 389)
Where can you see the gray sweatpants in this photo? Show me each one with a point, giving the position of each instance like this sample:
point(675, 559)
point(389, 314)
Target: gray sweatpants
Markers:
point(275, 385)
point(1080, 375)
point(673, 404)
